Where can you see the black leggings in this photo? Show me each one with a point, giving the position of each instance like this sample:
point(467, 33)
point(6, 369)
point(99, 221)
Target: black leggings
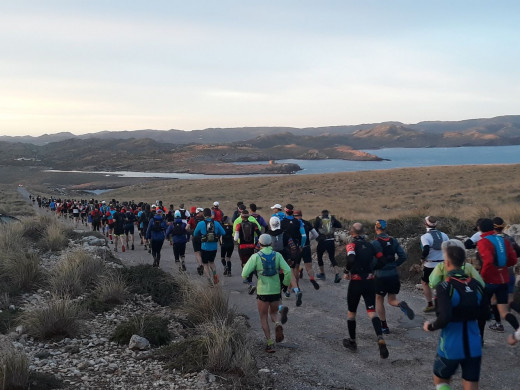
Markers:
point(226, 251)
point(95, 226)
point(156, 246)
point(326, 246)
point(358, 289)
point(179, 249)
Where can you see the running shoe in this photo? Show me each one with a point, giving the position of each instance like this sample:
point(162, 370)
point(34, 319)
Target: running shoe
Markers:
point(145, 247)
point(150, 250)
point(278, 330)
point(245, 281)
point(299, 298)
point(315, 284)
point(385, 330)
point(183, 266)
point(225, 272)
point(337, 278)
point(269, 348)
point(284, 312)
point(287, 294)
point(407, 310)
point(229, 274)
point(429, 309)
point(252, 289)
point(200, 270)
point(383, 350)
point(496, 327)
point(177, 261)
point(321, 276)
point(215, 279)
point(133, 248)
point(350, 344)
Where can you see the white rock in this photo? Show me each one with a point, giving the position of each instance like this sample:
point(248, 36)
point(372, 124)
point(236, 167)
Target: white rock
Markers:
point(138, 343)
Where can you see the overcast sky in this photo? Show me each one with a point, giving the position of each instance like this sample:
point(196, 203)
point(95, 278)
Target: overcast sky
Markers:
point(86, 66)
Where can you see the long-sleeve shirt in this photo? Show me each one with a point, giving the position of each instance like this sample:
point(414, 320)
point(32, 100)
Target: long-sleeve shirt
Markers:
point(490, 272)
point(155, 234)
point(439, 274)
point(389, 269)
point(178, 238)
point(267, 285)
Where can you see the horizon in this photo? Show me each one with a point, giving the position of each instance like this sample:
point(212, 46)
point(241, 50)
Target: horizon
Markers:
point(120, 66)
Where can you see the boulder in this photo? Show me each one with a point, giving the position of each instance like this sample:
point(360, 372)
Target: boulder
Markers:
point(138, 343)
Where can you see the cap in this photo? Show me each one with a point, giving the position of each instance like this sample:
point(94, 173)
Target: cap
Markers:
point(297, 213)
point(430, 221)
point(193, 210)
point(274, 223)
point(199, 210)
point(154, 206)
point(177, 214)
point(265, 240)
point(159, 211)
point(381, 224)
point(216, 204)
point(103, 202)
point(277, 206)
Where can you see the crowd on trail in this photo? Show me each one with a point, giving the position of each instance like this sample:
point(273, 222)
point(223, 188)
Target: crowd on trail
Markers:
point(277, 251)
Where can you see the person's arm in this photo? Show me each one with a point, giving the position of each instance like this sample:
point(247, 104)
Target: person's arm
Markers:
point(511, 254)
point(198, 230)
point(313, 234)
point(237, 232)
point(286, 270)
point(249, 267)
point(303, 234)
point(437, 276)
point(469, 244)
point(336, 224)
point(168, 231)
point(425, 247)
point(351, 256)
point(149, 230)
point(473, 273)
point(486, 250)
point(317, 223)
point(443, 309)
point(401, 254)
point(220, 230)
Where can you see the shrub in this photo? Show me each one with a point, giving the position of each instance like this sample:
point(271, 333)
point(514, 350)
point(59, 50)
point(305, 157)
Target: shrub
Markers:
point(57, 318)
point(54, 238)
point(153, 328)
point(111, 289)
point(76, 272)
point(19, 271)
point(14, 366)
point(148, 280)
point(187, 355)
point(10, 237)
point(7, 319)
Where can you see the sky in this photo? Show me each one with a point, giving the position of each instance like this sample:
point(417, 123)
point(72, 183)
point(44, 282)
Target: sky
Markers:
point(92, 65)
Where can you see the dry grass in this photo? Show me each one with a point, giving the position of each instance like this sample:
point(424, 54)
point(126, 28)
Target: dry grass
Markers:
point(153, 328)
point(19, 271)
point(54, 237)
point(12, 203)
point(461, 192)
point(14, 369)
point(75, 273)
point(57, 318)
point(111, 289)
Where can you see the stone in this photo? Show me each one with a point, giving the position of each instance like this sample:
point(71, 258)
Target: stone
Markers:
point(138, 343)
point(72, 349)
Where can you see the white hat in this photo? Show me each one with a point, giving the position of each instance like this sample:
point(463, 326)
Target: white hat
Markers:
point(103, 202)
point(199, 209)
point(265, 240)
point(274, 223)
point(277, 206)
point(216, 204)
point(154, 206)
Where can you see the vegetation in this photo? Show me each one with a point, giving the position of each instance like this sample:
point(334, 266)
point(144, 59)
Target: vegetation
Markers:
point(111, 290)
point(54, 237)
point(153, 328)
point(11, 202)
point(148, 280)
point(19, 271)
point(57, 318)
point(8, 318)
point(14, 369)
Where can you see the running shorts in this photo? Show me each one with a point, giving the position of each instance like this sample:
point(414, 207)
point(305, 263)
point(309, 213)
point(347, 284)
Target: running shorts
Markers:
point(119, 231)
point(197, 244)
point(245, 254)
point(446, 368)
point(358, 289)
point(129, 229)
point(269, 298)
point(512, 280)
point(307, 254)
point(426, 274)
point(208, 256)
point(226, 251)
point(501, 292)
point(390, 285)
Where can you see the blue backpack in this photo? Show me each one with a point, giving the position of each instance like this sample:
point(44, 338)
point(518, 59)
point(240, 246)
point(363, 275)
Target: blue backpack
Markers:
point(268, 263)
point(500, 258)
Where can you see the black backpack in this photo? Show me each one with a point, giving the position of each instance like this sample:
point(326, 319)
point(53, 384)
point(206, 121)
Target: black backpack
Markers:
point(389, 251)
point(210, 235)
point(291, 228)
point(248, 232)
point(364, 262)
point(157, 225)
point(470, 294)
point(178, 229)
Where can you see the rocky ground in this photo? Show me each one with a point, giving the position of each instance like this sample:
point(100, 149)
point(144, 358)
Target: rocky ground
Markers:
point(311, 357)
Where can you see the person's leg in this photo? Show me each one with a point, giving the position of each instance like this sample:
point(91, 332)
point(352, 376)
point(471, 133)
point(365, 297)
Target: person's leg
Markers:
point(427, 291)
point(176, 252)
point(263, 311)
point(320, 250)
point(331, 251)
point(353, 298)
point(116, 242)
point(159, 248)
point(380, 308)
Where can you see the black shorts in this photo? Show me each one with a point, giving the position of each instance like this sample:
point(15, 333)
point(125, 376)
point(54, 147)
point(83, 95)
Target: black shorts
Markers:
point(305, 255)
point(385, 286)
point(269, 298)
point(446, 368)
point(245, 254)
point(500, 291)
point(358, 289)
point(208, 256)
point(226, 251)
point(426, 272)
point(197, 244)
point(129, 229)
point(119, 231)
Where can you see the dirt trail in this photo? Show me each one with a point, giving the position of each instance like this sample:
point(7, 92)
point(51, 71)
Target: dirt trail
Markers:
point(312, 355)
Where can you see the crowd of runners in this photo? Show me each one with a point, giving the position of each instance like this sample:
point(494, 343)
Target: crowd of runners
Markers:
point(276, 251)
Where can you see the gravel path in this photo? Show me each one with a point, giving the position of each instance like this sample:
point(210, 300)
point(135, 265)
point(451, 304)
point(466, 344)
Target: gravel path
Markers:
point(312, 355)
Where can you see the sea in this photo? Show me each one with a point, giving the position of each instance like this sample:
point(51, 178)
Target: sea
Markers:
point(393, 158)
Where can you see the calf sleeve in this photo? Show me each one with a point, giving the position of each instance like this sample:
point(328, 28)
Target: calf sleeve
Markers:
point(512, 320)
point(352, 329)
point(496, 314)
point(376, 323)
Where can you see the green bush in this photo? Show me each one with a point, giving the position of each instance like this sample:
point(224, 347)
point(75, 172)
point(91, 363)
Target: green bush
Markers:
point(153, 328)
point(75, 273)
point(58, 318)
point(153, 281)
point(187, 355)
point(111, 290)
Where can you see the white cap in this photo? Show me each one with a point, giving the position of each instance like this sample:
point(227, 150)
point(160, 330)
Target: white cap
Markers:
point(277, 206)
point(154, 206)
point(265, 240)
point(103, 202)
point(199, 209)
point(274, 223)
point(216, 204)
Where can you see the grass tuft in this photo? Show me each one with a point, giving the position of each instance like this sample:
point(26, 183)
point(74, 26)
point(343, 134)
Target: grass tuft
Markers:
point(14, 367)
point(153, 328)
point(148, 280)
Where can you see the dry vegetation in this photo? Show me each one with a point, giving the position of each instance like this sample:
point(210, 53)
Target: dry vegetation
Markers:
point(466, 192)
point(11, 202)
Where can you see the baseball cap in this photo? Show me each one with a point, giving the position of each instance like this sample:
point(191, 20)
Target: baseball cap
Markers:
point(277, 206)
point(154, 206)
point(297, 213)
point(265, 240)
point(274, 223)
point(216, 204)
point(159, 211)
point(199, 209)
point(381, 224)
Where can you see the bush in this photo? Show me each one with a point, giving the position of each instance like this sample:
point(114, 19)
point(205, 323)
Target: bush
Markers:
point(111, 289)
point(14, 366)
point(152, 328)
point(75, 273)
point(57, 318)
point(148, 280)
point(8, 318)
point(19, 271)
point(188, 355)
point(54, 238)
point(11, 237)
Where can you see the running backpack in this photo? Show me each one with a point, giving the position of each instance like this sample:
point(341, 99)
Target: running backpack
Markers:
point(364, 261)
point(437, 239)
point(466, 297)
point(210, 235)
point(277, 242)
point(500, 256)
point(178, 229)
point(388, 249)
point(293, 250)
point(268, 263)
point(326, 226)
point(157, 225)
point(248, 232)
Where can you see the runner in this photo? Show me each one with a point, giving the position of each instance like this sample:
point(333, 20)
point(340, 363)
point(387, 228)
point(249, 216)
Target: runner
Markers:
point(197, 241)
point(75, 213)
point(267, 264)
point(306, 254)
point(96, 219)
point(179, 238)
point(129, 228)
point(145, 217)
point(119, 228)
point(246, 233)
point(386, 278)
point(431, 243)
point(238, 210)
point(277, 211)
point(261, 221)
point(325, 226)
point(359, 270)
point(210, 232)
point(216, 212)
point(497, 254)
point(460, 303)
point(155, 233)
point(227, 246)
